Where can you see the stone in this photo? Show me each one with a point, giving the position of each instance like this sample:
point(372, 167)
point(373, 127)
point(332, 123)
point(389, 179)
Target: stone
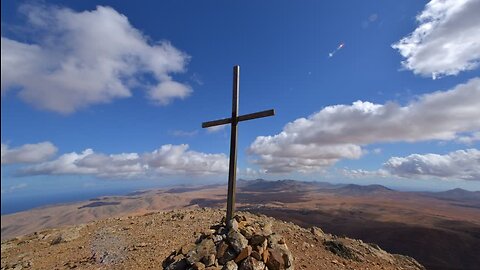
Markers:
point(232, 225)
point(178, 257)
point(66, 235)
point(257, 255)
point(243, 254)
point(227, 256)
point(237, 241)
point(180, 265)
point(230, 265)
point(340, 249)
point(206, 247)
point(193, 257)
point(258, 249)
point(275, 240)
point(209, 260)
point(198, 266)
point(217, 238)
point(275, 260)
point(240, 218)
point(265, 255)
point(247, 231)
point(221, 249)
point(317, 231)
point(251, 264)
point(267, 229)
point(257, 240)
point(287, 259)
point(213, 268)
point(265, 244)
point(57, 240)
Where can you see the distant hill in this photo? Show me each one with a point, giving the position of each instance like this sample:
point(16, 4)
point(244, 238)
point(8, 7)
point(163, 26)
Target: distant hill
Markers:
point(353, 189)
point(283, 185)
point(457, 194)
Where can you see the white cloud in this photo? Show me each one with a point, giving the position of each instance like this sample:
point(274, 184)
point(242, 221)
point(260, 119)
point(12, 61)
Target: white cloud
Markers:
point(28, 153)
point(167, 160)
point(164, 92)
point(176, 159)
point(215, 129)
point(469, 139)
point(79, 59)
point(250, 173)
point(339, 131)
point(359, 173)
point(461, 164)
point(447, 40)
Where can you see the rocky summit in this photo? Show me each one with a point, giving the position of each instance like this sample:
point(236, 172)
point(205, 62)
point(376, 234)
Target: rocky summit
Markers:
point(195, 238)
point(245, 244)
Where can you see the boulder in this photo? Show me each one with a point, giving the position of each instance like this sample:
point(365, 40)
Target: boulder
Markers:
point(251, 264)
point(237, 241)
point(230, 265)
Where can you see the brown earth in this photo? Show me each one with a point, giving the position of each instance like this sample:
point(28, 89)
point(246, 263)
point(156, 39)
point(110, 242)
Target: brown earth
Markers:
point(144, 241)
point(440, 230)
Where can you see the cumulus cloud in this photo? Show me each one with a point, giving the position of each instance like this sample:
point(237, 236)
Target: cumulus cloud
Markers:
point(215, 128)
point(28, 153)
point(76, 59)
point(167, 160)
point(461, 164)
point(447, 40)
point(339, 131)
point(469, 139)
point(250, 173)
point(360, 173)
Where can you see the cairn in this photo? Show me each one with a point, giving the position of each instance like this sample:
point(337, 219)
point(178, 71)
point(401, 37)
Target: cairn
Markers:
point(246, 244)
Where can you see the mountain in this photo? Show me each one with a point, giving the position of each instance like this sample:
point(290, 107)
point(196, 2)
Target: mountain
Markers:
point(457, 194)
point(352, 189)
point(262, 185)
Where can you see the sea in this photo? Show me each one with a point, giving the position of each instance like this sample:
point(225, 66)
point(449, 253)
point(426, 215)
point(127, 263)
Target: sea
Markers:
point(13, 204)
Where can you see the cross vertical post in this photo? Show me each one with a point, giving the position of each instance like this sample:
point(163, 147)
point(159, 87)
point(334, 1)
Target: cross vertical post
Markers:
point(233, 121)
point(232, 168)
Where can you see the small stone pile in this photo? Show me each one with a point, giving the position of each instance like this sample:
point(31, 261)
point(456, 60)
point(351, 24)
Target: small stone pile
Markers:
point(245, 244)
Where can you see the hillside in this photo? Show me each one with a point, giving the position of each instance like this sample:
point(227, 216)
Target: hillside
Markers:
point(145, 241)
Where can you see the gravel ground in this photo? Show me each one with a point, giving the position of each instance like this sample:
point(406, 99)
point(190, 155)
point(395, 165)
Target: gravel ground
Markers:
point(143, 242)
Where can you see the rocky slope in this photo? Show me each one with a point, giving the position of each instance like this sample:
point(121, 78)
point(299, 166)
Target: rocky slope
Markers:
point(146, 242)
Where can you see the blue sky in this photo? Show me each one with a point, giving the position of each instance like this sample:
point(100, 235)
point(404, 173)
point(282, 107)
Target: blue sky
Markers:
point(124, 79)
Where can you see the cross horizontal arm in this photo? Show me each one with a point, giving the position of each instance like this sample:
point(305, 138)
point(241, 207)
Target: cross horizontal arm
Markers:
point(216, 122)
point(256, 115)
point(239, 119)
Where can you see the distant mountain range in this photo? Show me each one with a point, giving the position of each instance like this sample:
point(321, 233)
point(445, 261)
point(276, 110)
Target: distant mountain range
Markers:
point(456, 194)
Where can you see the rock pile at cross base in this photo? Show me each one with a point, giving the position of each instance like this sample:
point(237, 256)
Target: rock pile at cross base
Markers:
point(246, 244)
point(144, 241)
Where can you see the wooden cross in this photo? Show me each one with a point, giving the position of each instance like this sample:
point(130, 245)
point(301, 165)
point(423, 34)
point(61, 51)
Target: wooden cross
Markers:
point(232, 168)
